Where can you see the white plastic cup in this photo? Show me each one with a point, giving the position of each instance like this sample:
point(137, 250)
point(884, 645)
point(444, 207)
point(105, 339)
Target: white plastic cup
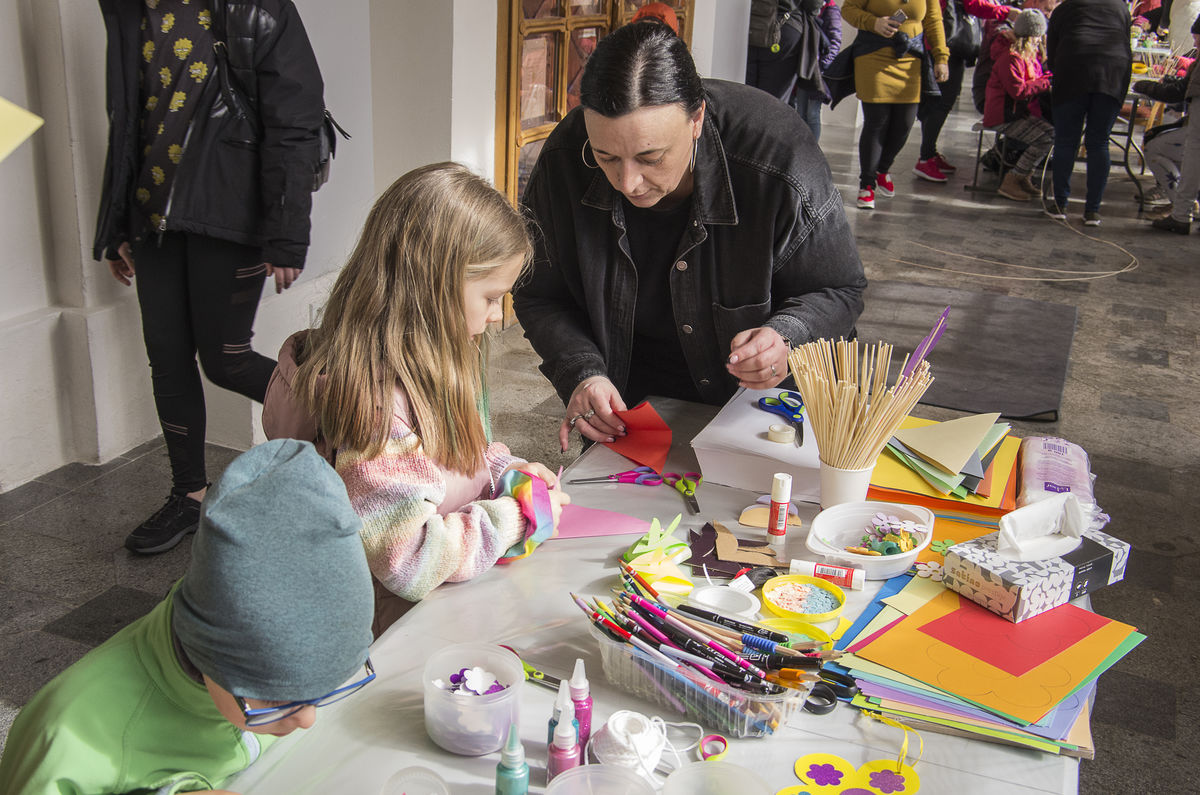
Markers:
point(472, 725)
point(715, 778)
point(599, 780)
point(844, 485)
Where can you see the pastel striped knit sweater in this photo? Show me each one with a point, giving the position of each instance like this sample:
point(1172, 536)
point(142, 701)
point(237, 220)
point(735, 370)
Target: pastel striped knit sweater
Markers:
point(411, 547)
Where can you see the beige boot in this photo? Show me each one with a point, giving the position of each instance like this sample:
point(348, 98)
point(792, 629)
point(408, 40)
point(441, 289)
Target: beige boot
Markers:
point(1028, 186)
point(1011, 188)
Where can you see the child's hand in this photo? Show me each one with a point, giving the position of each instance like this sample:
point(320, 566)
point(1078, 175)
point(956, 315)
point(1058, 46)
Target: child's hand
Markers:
point(558, 498)
point(537, 470)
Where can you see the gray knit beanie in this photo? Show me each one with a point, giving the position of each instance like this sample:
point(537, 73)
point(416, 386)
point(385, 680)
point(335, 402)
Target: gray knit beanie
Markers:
point(1029, 24)
point(278, 601)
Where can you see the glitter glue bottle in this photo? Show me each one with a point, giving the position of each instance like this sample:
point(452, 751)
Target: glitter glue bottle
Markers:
point(563, 697)
point(842, 576)
point(781, 498)
point(512, 774)
point(582, 700)
point(564, 751)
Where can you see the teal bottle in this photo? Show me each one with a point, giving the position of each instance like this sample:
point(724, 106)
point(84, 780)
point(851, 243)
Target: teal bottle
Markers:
point(512, 774)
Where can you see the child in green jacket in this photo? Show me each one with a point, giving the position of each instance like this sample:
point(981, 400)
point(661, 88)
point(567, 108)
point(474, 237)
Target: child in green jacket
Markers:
point(272, 620)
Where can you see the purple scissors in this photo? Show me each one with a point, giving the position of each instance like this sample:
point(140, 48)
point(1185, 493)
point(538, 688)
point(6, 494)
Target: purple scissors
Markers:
point(643, 476)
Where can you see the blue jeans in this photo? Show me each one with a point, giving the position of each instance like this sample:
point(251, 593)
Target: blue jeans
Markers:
point(1099, 111)
point(808, 105)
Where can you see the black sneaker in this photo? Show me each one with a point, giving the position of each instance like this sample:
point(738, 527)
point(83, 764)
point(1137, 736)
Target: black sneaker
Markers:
point(1169, 224)
point(1054, 210)
point(1091, 218)
point(166, 527)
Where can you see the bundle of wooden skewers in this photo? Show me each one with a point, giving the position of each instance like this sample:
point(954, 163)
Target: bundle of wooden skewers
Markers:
point(733, 673)
point(849, 406)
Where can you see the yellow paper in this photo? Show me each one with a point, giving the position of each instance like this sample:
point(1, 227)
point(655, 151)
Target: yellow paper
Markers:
point(915, 595)
point(1027, 697)
point(16, 124)
point(949, 445)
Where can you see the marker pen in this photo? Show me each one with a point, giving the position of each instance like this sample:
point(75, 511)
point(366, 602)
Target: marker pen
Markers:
point(581, 699)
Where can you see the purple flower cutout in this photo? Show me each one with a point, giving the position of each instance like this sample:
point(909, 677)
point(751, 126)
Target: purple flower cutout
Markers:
point(887, 781)
point(824, 775)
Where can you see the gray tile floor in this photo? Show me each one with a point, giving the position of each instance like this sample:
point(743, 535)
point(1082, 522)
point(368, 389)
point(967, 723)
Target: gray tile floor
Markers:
point(66, 583)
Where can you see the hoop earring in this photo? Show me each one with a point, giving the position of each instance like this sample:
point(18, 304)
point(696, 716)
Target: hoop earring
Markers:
point(695, 147)
point(583, 150)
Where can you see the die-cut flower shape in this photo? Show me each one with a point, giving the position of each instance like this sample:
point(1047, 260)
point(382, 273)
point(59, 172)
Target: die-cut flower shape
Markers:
point(479, 681)
point(930, 569)
point(942, 546)
point(825, 775)
point(887, 781)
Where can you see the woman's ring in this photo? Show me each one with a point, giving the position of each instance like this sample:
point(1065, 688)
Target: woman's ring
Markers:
point(571, 422)
point(773, 373)
point(590, 413)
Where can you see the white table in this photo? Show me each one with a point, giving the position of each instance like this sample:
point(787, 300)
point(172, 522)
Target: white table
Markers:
point(358, 744)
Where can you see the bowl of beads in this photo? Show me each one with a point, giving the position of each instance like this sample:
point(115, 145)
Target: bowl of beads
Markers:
point(882, 538)
point(809, 599)
point(471, 697)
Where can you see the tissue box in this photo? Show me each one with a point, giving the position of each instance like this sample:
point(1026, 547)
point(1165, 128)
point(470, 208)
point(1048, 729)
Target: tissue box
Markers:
point(1018, 590)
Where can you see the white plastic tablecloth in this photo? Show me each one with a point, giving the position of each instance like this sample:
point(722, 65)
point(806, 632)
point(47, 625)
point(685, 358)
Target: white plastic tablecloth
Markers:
point(359, 743)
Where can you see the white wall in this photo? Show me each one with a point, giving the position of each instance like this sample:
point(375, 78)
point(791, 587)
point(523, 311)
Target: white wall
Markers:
point(719, 30)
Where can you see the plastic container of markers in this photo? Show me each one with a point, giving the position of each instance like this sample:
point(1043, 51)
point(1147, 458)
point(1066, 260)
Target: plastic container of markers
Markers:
point(716, 706)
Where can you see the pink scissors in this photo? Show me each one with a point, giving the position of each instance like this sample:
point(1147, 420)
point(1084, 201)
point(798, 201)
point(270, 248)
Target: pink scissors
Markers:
point(643, 476)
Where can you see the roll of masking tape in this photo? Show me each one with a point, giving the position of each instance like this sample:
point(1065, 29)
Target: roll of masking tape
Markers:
point(784, 434)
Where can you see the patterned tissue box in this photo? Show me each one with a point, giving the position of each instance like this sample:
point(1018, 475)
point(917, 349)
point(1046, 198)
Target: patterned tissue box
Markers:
point(1018, 590)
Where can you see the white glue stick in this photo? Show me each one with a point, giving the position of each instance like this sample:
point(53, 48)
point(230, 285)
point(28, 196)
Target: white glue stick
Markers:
point(781, 499)
point(841, 576)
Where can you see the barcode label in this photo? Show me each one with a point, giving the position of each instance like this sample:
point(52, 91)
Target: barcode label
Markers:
point(1051, 447)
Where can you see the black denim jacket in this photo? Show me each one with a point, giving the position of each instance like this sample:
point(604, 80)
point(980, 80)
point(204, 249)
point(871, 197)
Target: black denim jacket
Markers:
point(767, 245)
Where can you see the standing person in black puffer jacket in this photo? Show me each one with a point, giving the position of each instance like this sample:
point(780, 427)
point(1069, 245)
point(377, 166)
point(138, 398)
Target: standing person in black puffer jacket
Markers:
point(207, 191)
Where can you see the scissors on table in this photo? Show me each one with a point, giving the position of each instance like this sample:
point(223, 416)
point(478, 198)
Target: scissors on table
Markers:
point(642, 476)
point(825, 694)
point(790, 406)
point(686, 485)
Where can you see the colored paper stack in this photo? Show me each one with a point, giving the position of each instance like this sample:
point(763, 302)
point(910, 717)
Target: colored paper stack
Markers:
point(964, 470)
point(937, 661)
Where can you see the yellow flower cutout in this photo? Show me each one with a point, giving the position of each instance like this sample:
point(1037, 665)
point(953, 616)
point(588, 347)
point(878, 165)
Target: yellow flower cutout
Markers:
point(148, 51)
point(177, 100)
point(164, 75)
point(168, 22)
point(157, 174)
point(143, 195)
point(205, 18)
point(183, 48)
point(151, 103)
point(175, 153)
point(198, 70)
point(160, 129)
point(155, 220)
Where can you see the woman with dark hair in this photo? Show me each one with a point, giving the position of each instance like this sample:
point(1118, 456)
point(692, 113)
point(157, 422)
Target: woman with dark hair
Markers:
point(690, 234)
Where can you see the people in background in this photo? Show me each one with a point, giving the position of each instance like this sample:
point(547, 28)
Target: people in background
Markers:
point(991, 47)
point(1089, 55)
point(1174, 155)
point(690, 234)
point(808, 101)
point(392, 385)
point(206, 193)
point(271, 621)
point(934, 109)
point(1013, 92)
point(899, 53)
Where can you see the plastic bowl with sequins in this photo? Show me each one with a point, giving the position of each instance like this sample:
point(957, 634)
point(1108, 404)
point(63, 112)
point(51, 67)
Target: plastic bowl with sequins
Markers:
point(834, 529)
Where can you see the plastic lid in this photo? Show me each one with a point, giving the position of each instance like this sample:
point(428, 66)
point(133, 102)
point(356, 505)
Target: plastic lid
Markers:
point(781, 487)
point(564, 732)
point(513, 753)
point(416, 781)
point(579, 681)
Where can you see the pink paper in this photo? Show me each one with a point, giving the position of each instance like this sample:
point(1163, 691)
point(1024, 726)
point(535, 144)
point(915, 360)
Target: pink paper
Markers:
point(1014, 648)
point(647, 438)
point(579, 522)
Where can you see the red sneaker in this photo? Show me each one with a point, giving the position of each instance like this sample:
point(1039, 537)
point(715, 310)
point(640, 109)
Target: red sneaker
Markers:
point(927, 169)
point(943, 165)
point(866, 199)
point(884, 185)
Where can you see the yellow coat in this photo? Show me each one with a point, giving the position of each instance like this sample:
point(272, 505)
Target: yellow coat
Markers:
point(880, 76)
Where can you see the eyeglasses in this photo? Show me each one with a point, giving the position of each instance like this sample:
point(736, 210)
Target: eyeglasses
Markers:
point(265, 715)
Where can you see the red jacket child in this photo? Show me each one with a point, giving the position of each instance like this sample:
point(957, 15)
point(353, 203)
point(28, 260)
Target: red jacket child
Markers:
point(1012, 88)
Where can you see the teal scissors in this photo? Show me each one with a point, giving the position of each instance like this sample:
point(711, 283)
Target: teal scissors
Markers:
point(790, 406)
point(643, 476)
point(686, 485)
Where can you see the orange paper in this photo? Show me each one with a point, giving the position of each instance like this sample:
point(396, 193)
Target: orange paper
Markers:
point(953, 531)
point(647, 438)
point(1027, 697)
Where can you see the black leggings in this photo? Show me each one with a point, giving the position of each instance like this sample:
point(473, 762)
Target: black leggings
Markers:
point(198, 295)
point(884, 133)
point(934, 110)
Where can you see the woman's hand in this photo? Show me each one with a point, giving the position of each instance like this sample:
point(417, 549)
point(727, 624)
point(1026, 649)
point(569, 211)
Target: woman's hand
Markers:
point(941, 72)
point(758, 358)
point(122, 268)
point(591, 412)
point(283, 276)
point(886, 27)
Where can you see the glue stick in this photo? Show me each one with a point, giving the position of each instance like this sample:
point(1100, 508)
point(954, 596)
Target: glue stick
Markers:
point(842, 576)
point(781, 499)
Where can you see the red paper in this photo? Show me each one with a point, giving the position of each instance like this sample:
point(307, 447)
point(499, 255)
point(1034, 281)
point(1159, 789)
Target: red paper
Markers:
point(579, 522)
point(877, 633)
point(1013, 648)
point(647, 438)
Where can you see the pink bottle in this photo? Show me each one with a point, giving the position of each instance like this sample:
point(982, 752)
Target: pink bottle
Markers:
point(582, 699)
point(564, 751)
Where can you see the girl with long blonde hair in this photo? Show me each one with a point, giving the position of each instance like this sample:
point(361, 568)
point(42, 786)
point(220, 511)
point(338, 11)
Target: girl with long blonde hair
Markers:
point(394, 379)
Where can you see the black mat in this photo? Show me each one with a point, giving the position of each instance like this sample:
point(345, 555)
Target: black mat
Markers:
point(997, 353)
